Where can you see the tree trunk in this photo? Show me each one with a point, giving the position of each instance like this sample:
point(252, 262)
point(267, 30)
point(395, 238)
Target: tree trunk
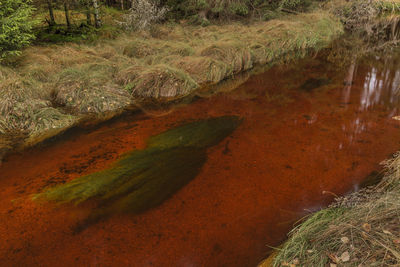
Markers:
point(88, 16)
point(51, 13)
point(97, 21)
point(122, 4)
point(67, 14)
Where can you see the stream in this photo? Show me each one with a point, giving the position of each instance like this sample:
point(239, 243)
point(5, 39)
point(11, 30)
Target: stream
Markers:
point(305, 136)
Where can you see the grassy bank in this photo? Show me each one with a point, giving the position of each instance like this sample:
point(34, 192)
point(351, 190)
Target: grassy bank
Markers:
point(361, 229)
point(53, 87)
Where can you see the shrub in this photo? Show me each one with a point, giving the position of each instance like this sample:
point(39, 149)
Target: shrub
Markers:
point(15, 26)
point(142, 14)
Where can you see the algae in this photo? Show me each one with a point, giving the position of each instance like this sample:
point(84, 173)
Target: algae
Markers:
point(199, 134)
point(314, 83)
point(143, 179)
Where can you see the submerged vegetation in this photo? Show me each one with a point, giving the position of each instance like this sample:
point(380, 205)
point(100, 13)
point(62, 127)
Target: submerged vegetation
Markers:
point(144, 179)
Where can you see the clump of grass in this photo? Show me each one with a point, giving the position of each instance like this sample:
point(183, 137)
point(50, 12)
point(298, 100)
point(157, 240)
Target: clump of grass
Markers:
point(291, 39)
point(89, 89)
point(162, 82)
point(142, 48)
point(24, 108)
point(203, 69)
point(144, 179)
point(233, 53)
point(377, 22)
point(129, 74)
point(356, 230)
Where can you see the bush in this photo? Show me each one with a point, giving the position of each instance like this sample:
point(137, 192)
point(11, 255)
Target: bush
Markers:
point(15, 26)
point(142, 14)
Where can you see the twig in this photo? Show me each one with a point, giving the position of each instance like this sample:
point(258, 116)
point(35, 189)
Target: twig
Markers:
point(289, 11)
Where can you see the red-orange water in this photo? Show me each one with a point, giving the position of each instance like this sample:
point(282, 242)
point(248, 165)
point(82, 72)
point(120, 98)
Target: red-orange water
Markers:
point(292, 145)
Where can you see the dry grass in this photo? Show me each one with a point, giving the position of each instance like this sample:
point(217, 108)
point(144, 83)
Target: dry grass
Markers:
point(165, 63)
point(362, 229)
point(162, 81)
point(25, 107)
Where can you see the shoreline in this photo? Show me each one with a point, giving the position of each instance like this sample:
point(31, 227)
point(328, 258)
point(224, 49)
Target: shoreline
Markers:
point(84, 90)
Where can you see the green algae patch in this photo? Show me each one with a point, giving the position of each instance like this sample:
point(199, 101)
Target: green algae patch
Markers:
point(145, 178)
point(199, 134)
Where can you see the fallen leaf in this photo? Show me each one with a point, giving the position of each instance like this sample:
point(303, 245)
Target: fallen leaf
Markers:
point(333, 257)
point(396, 241)
point(345, 257)
point(309, 251)
point(332, 265)
point(296, 261)
point(366, 227)
point(397, 118)
point(345, 240)
point(387, 232)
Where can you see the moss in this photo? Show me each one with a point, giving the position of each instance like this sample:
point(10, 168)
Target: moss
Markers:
point(144, 179)
point(199, 134)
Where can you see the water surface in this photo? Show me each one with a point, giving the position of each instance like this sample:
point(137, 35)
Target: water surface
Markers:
point(306, 136)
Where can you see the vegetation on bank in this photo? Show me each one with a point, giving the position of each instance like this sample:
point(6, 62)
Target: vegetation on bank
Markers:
point(361, 229)
point(51, 87)
point(59, 84)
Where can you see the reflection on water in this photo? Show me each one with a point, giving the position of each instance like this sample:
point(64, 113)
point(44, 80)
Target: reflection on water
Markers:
point(307, 129)
point(381, 88)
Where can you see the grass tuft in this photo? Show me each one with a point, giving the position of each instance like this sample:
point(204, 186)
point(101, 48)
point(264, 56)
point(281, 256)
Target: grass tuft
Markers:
point(162, 82)
point(363, 225)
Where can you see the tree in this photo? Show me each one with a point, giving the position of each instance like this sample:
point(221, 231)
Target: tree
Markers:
point(97, 21)
point(15, 26)
point(52, 21)
point(66, 11)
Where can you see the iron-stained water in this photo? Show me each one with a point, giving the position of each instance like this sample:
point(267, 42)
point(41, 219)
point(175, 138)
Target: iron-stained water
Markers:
point(309, 132)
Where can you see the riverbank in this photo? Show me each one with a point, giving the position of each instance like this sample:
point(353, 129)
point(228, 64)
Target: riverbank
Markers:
point(360, 229)
point(55, 87)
